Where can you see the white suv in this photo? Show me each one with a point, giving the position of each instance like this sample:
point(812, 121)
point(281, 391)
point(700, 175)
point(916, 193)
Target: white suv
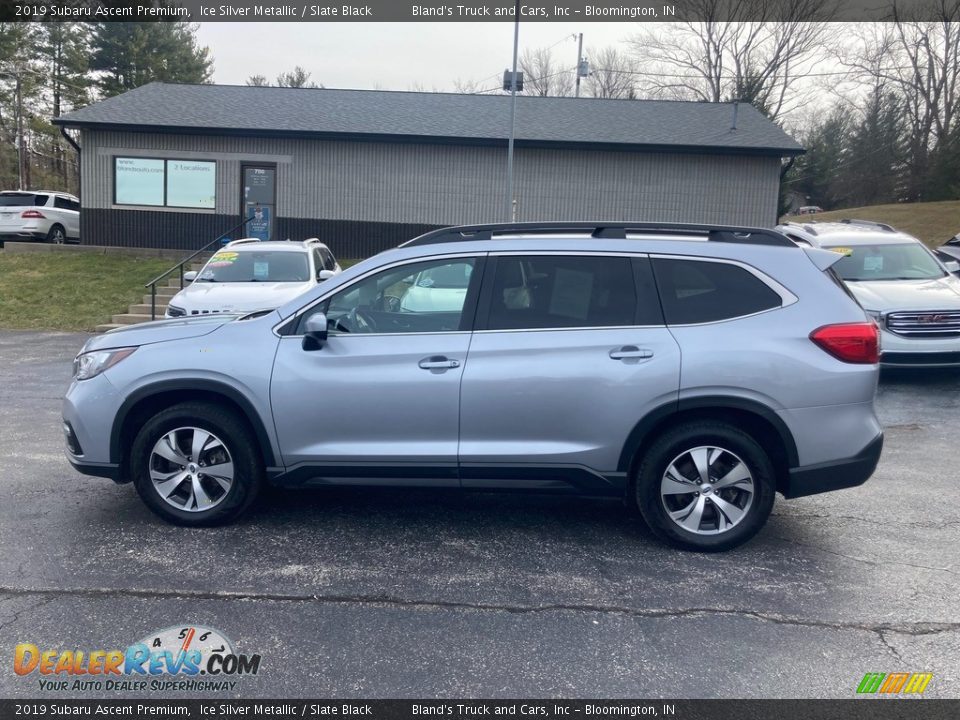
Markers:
point(249, 275)
point(901, 284)
point(39, 215)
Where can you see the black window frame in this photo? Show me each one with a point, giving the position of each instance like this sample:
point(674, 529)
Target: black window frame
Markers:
point(648, 311)
point(166, 161)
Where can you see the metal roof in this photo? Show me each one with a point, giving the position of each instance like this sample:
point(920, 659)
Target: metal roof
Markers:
point(438, 117)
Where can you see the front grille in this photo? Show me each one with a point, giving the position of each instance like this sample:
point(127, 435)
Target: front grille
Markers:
point(204, 312)
point(926, 358)
point(925, 323)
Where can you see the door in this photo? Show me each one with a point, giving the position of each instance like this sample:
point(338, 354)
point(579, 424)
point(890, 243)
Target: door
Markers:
point(569, 353)
point(380, 400)
point(68, 211)
point(259, 201)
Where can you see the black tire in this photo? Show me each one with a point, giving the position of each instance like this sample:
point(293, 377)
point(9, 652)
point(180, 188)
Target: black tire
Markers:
point(671, 445)
point(57, 235)
point(240, 443)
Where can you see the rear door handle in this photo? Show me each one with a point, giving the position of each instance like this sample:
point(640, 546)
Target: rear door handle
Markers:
point(438, 362)
point(628, 352)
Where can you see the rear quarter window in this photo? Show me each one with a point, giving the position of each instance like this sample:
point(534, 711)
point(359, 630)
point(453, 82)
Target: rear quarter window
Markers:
point(700, 291)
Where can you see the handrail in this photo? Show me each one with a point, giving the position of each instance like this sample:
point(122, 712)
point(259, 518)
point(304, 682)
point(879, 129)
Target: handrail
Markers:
point(179, 266)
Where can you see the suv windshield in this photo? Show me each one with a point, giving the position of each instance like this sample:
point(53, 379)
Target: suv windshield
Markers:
point(905, 261)
point(277, 266)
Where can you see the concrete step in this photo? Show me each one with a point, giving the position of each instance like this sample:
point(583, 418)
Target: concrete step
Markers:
point(166, 291)
point(163, 300)
point(108, 326)
point(131, 318)
point(144, 309)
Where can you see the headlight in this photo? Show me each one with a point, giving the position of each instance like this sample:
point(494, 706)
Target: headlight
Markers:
point(91, 364)
point(174, 311)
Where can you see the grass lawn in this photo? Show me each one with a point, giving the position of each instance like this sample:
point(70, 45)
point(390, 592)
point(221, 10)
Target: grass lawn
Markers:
point(932, 222)
point(70, 291)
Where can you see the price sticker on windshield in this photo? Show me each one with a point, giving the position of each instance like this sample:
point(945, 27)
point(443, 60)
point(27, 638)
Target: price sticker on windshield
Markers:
point(845, 251)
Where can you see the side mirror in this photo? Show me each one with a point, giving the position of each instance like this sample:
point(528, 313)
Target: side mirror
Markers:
point(190, 276)
point(952, 266)
point(325, 275)
point(315, 332)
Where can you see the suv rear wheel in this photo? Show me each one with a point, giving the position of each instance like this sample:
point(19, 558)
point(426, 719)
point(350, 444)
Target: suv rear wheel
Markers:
point(195, 464)
point(57, 235)
point(705, 486)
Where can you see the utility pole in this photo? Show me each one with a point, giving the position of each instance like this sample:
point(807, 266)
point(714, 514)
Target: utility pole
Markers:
point(579, 62)
point(21, 144)
point(513, 112)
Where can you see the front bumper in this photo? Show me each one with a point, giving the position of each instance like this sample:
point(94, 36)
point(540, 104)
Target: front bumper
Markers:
point(900, 351)
point(89, 408)
point(835, 475)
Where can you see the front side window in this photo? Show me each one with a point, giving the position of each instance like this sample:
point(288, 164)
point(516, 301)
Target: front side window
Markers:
point(418, 297)
point(901, 261)
point(250, 266)
point(556, 291)
point(698, 291)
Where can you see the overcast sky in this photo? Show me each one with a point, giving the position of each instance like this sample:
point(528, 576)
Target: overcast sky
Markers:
point(393, 56)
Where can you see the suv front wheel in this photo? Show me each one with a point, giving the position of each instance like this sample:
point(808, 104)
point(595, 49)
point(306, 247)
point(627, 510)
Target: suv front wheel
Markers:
point(705, 486)
point(195, 464)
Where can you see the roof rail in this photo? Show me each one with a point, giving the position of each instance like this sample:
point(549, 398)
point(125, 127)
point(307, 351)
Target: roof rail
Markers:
point(606, 230)
point(870, 223)
point(308, 241)
point(242, 241)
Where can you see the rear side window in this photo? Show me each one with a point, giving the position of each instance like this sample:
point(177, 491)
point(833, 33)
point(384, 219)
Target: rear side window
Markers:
point(555, 291)
point(697, 291)
point(23, 200)
point(65, 204)
point(328, 259)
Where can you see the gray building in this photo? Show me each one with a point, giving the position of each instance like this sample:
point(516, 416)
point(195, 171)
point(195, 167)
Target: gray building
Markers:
point(176, 166)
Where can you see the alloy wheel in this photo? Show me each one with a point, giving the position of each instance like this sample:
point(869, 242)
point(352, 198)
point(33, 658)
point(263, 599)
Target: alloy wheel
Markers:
point(707, 490)
point(191, 469)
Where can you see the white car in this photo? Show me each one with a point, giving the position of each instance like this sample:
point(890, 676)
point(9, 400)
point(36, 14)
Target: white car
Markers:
point(439, 289)
point(901, 284)
point(50, 216)
point(249, 275)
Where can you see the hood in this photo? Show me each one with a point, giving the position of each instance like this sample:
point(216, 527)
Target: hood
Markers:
point(237, 297)
point(885, 295)
point(158, 331)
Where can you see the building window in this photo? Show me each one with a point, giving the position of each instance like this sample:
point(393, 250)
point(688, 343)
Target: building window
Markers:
point(165, 183)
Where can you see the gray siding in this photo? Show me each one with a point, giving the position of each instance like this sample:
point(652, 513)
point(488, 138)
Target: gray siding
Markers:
point(448, 184)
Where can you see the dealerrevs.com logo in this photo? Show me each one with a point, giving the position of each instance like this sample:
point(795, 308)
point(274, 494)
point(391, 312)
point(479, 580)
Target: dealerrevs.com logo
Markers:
point(188, 657)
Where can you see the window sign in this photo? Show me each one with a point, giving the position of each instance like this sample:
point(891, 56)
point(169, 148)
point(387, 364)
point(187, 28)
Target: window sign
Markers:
point(191, 183)
point(170, 183)
point(139, 181)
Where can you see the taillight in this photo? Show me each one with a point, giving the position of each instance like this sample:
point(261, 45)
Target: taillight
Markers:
point(850, 342)
point(35, 214)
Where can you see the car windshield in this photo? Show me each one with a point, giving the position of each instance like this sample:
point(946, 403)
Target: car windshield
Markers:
point(902, 261)
point(22, 200)
point(275, 266)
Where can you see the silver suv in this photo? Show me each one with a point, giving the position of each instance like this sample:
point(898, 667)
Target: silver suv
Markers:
point(693, 370)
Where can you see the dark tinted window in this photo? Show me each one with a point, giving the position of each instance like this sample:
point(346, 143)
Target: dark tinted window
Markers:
point(696, 291)
point(64, 203)
point(553, 291)
point(23, 200)
point(328, 261)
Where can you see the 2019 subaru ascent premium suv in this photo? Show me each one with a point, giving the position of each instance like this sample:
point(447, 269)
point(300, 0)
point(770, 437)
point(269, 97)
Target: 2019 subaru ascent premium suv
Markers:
point(693, 370)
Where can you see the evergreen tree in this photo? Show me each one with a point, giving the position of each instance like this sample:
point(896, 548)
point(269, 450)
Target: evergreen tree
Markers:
point(873, 169)
point(128, 55)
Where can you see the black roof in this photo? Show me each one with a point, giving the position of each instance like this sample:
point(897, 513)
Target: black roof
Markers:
point(437, 117)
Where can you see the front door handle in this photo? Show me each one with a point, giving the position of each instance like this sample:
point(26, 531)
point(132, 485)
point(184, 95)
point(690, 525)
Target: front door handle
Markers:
point(438, 362)
point(630, 352)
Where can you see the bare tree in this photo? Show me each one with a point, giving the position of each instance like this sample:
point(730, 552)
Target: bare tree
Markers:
point(918, 60)
point(613, 74)
point(543, 75)
point(257, 81)
point(296, 78)
point(751, 50)
point(467, 87)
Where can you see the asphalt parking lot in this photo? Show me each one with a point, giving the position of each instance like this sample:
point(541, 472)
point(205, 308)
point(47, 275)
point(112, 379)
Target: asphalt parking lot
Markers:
point(362, 593)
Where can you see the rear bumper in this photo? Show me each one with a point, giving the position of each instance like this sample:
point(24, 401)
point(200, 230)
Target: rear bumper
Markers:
point(22, 235)
point(835, 475)
point(919, 359)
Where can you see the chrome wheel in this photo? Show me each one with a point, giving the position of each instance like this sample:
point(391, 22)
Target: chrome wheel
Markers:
point(707, 490)
point(58, 237)
point(191, 469)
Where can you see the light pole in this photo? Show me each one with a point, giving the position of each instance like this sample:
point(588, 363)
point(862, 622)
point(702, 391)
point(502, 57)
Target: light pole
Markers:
point(509, 208)
point(579, 62)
